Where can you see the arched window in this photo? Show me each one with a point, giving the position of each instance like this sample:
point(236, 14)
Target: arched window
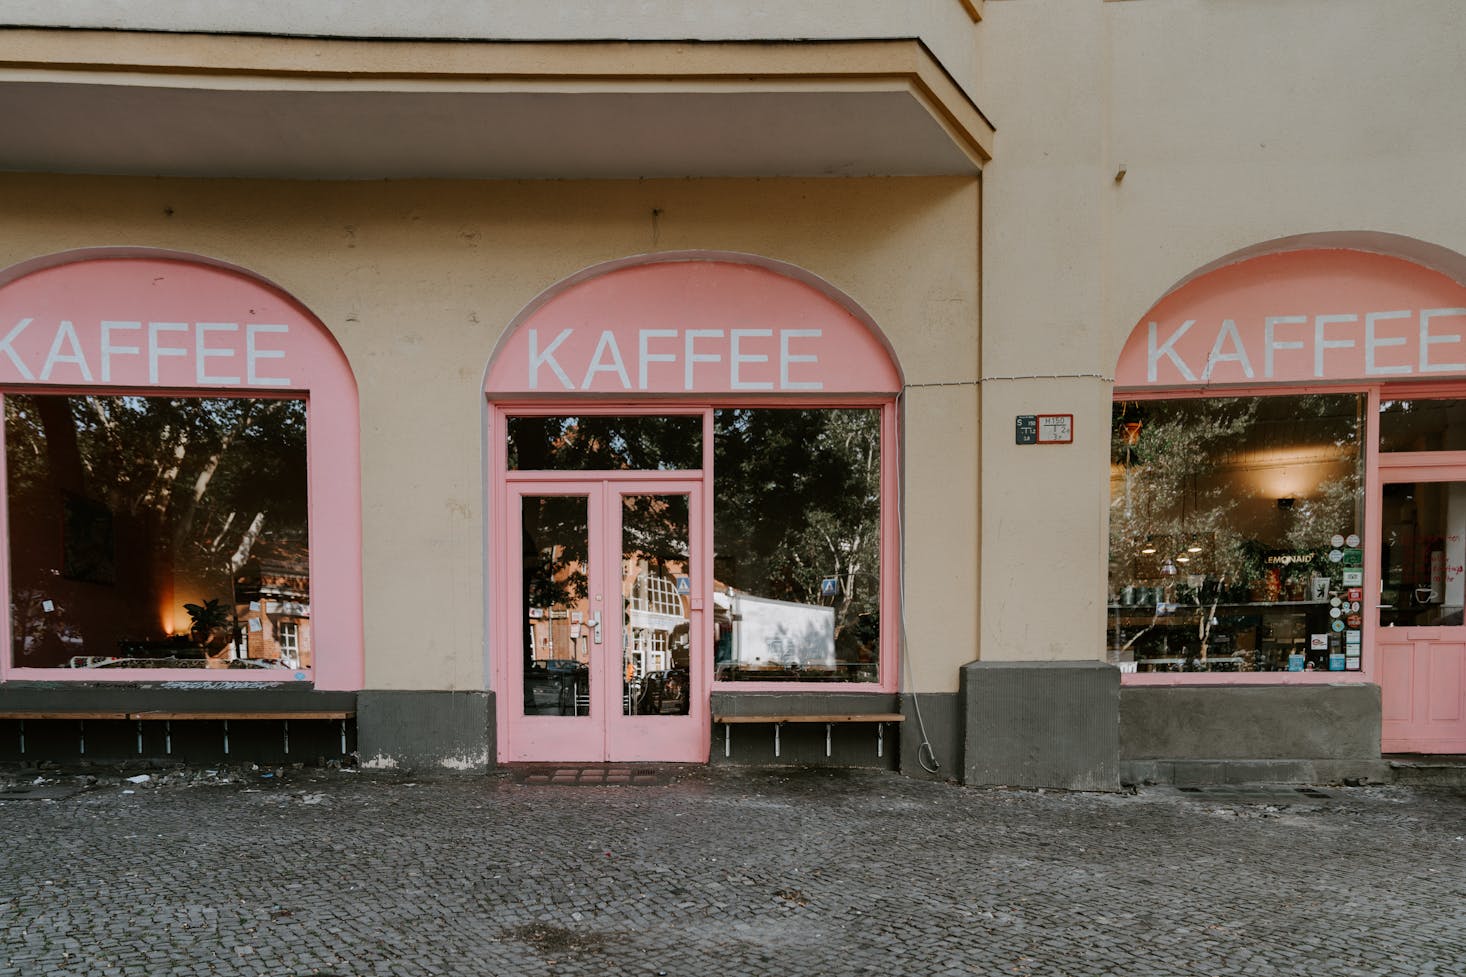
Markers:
point(181, 458)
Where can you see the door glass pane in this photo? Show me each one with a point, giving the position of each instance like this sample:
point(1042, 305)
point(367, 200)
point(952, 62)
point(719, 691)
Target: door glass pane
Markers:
point(602, 443)
point(656, 591)
point(158, 532)
point(557, 632)
point(797, 544)
point(1421, 553)
point(1422, 425)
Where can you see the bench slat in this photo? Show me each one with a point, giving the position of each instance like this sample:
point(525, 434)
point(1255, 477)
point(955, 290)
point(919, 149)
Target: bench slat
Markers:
point(241, 715)
point(39, 714)
point(30, 714)
point(868, 717)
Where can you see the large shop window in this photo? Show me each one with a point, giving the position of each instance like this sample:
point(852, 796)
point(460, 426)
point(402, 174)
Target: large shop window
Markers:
point(157, 532)
point(796, 544)
point(1235, 534)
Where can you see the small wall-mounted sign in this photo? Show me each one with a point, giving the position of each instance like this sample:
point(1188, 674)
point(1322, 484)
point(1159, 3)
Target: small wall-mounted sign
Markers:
point(829, 586)
point(1044, 429)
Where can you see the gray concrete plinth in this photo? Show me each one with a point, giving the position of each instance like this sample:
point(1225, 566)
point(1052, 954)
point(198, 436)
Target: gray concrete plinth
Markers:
point(1041, 724)
point(450, 732)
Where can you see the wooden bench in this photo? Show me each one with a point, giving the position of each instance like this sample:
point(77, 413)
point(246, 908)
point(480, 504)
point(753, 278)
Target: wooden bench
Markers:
point(880, 719)
point(167, 717)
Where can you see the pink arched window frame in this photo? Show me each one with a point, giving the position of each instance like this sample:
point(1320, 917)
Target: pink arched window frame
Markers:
point(333, 467)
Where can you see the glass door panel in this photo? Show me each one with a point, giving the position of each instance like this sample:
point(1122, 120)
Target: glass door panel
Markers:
point(557, 625)
point(656, 601)
point(1422, 551)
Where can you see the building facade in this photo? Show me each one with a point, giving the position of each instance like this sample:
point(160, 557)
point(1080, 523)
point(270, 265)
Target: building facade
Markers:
point(485, 383)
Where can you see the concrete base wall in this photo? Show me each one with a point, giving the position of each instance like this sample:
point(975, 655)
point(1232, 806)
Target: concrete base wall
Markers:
point(1250, 722)
point(852, 745)
point(1041, 724)
point(426, 731)
point(940, 714)
point(1282, 734)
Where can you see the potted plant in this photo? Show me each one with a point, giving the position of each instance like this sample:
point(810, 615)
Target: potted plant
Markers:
point(207, 620)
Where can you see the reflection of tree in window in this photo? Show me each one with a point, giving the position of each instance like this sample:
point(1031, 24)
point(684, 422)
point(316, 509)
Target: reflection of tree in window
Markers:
point(604, 443)
point(122, 509)
point(1220, 505)
point(797, 500)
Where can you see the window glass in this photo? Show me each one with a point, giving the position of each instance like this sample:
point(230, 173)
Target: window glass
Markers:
point(603, 443)
point(155, 532)
point(797, 543)
point(1423, 553)
point(655, 572)
point(1422, 425)
point(556, 603)
point(1235, 528)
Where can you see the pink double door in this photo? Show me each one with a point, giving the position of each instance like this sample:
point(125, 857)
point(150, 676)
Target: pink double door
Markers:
point(605, 638)
point(1420, 641)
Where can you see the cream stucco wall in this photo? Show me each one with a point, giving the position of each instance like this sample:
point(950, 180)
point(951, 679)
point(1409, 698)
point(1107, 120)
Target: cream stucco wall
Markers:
point(1237, 123)
point(418, 279)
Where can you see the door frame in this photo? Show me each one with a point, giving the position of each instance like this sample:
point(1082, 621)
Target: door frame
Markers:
point(1396, 468)
point(605, 735)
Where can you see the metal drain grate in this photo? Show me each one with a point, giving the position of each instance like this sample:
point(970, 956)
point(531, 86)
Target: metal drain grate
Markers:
point(1257, 795)
point(596, 775)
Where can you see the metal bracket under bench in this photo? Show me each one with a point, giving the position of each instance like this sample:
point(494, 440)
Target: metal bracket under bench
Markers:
point(81, 716)
point(880, 719)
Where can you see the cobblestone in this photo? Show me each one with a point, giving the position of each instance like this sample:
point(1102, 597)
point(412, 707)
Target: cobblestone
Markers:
point(723, 871)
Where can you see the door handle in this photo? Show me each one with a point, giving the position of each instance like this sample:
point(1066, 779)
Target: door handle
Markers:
point(595, 627)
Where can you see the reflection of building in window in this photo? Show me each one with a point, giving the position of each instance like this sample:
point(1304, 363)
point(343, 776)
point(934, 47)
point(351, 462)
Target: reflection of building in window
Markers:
point(289, 635)
point(133, 522)
point(654, 613)
point(272, 594)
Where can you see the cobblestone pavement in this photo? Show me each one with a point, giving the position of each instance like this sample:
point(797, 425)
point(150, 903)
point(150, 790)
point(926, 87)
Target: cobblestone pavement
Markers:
point(720, 872)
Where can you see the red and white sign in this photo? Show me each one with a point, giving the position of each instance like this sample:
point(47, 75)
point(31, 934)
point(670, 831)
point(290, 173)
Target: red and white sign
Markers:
point(1301, 317)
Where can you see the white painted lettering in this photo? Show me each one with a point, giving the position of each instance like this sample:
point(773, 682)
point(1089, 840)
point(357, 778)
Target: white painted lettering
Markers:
point(537, 359)
point(1322, 343)
point(644, 355)
point(202, 352)
point(109, 327)
point(253, 354)
point(65, 333)
point(736, 359)
point(1373, 342)
point(1427, 341)
point(1270, 343)
point(691, 356)
point(786, 357)
point(11, 337)
point(1154, 353)
point(155, 351)
point(1238, 354)
point(607, 344)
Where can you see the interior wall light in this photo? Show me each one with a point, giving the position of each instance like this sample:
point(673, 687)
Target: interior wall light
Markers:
point(1193, 548)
